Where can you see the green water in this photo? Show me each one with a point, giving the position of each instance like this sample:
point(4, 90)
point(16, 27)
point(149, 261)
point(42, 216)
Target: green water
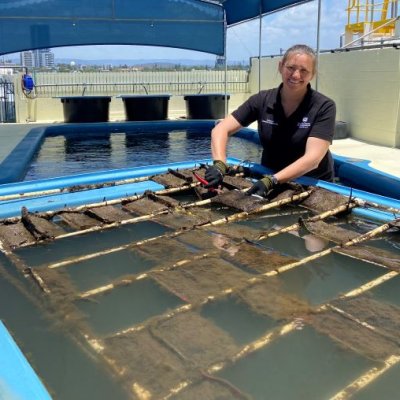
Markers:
point(66, 370)
point(236, 318)
point(386, 387)
point(86, 244)
point(99, 271)
point(127, 306)
point(388, 292)
point(300, 365)
point(326, 278)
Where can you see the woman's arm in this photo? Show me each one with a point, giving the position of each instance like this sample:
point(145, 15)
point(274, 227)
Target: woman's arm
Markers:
point(315, 151)
point(220, 134)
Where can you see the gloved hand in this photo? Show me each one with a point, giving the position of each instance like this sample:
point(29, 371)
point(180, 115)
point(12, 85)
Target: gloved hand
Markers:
point(215, 174)
point(263, 186)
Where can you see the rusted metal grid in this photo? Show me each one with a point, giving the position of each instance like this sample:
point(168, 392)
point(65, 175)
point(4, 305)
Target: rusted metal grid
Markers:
point(205, 256)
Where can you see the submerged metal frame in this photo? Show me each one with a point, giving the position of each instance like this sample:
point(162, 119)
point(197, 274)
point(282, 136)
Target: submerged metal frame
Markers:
point(268, 337)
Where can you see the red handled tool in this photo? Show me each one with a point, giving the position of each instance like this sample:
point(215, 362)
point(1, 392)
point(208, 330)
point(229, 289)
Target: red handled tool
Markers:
point(203, 182)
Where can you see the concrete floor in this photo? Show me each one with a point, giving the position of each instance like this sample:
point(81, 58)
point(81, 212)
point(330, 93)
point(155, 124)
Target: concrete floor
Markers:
point(11, 135)
point(382, 158)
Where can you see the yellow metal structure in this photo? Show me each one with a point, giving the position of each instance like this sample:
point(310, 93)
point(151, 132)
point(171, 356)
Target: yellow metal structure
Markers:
point(370, 18)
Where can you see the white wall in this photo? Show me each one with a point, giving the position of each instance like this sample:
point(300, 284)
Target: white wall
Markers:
point(364, 84)
point(47, 107)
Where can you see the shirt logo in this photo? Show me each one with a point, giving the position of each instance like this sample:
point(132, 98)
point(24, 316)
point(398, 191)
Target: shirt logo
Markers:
point(269, 121)
point(304, 124)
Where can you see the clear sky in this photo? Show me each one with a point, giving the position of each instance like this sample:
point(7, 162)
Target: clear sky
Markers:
point(280, 31)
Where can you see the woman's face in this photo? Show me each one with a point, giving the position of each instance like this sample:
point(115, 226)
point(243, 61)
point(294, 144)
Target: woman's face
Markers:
point(297, 71)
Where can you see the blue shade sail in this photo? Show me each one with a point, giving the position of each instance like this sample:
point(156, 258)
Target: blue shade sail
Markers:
point(242, 10)
point(186, 24)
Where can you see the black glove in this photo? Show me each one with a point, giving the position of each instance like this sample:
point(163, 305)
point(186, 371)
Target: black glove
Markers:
point(215, 174)
point(263, 186)
point(238, 169)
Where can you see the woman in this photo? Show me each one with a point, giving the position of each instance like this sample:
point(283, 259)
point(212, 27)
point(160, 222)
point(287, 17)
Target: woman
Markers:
point(296, 126)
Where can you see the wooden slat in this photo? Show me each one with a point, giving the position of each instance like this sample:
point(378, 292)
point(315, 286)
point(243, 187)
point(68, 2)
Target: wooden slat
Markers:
point(15, 235)
point(78, 220)
point(40, 227)
point(108, 214)
point(144, 206)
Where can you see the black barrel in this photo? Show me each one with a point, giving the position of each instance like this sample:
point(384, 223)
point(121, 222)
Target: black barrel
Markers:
point(86, 108)
point(146, 107)
point(205, 106)
point(341, 130)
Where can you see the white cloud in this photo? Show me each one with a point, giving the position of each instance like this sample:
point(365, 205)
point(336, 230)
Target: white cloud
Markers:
point(285, 28)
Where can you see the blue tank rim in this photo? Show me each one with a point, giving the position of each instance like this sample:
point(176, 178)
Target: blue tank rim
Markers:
point(358, 175)
point(19, 380)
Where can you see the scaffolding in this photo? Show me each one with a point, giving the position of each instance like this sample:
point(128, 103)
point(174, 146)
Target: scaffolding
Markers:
point(370, 21)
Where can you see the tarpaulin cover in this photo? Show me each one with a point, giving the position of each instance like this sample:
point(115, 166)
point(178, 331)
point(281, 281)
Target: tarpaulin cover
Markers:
point(187, 24)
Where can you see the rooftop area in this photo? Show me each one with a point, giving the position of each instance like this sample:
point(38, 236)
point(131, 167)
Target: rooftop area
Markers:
point(127, 279)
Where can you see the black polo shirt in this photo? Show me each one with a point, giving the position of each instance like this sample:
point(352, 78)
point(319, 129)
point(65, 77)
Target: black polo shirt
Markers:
point(284, 138)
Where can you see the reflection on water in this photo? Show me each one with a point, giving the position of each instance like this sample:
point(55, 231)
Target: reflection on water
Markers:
point(89, 152)
point(75, 144)
point(324, 279)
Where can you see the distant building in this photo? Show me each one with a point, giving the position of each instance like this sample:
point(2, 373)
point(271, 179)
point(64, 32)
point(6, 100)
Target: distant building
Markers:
point(4, 70)
point(7, 67)
point(41, 58)
point(27, 59)
point(44, 58)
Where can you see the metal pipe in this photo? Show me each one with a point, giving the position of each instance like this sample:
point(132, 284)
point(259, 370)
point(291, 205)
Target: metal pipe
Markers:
point(225, 65)
point(372, 11)
point(259, 48)
point(368, 33)
point(318, 37)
